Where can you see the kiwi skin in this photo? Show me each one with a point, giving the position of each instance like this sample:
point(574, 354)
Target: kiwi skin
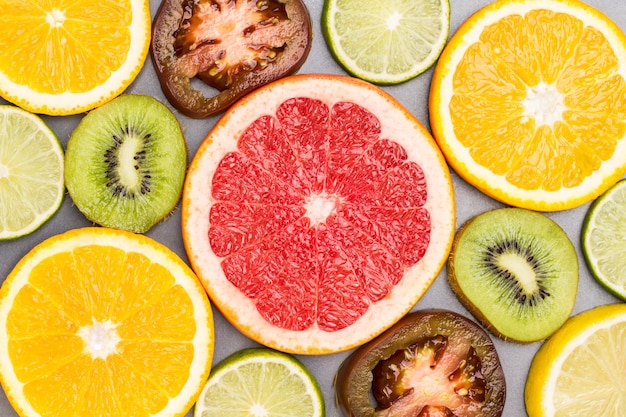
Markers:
point(566, 287)
point(126, 162)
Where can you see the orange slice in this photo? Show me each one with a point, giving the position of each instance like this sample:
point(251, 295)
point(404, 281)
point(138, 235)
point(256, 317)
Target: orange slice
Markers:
point(528, 103)
point(63, 57)
point(317, 212)
point(102, 322)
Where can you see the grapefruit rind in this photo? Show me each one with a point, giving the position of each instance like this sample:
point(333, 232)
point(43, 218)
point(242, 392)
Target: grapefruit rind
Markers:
point(458, 156)
point(203, 339)
point(397, 124)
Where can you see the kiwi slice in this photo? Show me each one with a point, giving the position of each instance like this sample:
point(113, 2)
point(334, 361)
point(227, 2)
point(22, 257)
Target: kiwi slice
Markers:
point(125, 163)
point(516, 271)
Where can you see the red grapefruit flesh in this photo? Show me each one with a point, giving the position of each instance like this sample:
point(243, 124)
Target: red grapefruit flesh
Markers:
point(317, 212)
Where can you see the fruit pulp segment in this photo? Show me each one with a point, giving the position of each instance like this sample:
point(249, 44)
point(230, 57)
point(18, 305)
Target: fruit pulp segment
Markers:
point(73, 34)
point(555, 56)
point(259, 389)
point(302, 271)
point(408, 30)
point(590, 380)
point(107, 323)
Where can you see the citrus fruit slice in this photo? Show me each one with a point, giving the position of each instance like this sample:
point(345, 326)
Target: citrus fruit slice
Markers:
point(527, 103)
point(97, 322)
point(579, 371)
point(260, 382)
point(59, 57)
point(386, 42)
point(317, 212)
point(604, 239)
point(31, 172)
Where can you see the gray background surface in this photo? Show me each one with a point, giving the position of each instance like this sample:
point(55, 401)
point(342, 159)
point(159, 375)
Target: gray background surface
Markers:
point(413, 94)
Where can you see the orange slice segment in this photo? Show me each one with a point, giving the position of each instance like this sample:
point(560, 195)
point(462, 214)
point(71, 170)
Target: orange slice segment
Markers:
point(102, 322)
point(64, 57)
point(528, 103)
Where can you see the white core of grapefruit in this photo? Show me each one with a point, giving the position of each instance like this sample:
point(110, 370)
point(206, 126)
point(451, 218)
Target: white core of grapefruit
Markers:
point(397, 125)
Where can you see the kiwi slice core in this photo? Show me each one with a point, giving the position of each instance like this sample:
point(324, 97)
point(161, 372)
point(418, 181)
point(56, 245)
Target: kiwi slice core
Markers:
point(516, 271)
point(126, 163)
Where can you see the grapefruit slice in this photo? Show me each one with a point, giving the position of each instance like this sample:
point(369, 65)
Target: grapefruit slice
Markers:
point(316, 213)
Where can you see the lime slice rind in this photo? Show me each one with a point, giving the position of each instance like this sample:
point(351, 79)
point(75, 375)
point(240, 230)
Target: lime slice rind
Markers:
point(31, 172)
point(604, 239)
point(260, 381)
point(387, 42)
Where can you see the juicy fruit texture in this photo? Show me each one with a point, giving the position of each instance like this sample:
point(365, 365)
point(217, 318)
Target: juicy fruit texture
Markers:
point(386, 42)
point(516, 271)
point(31, 172)
point(99, 322)
point(603, 243)
point(260, 382)
point(233, 46)
point(431, 363)
point(527, 103)
point(316, 213)
point(126, 162)
point(61, 58)
point(579, 370)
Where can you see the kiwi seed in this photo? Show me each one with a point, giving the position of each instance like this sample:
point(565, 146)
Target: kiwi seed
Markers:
point(516, 271)
point(126, 162)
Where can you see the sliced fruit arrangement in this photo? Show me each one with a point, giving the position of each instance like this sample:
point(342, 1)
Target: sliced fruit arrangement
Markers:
point(232, 46)
point(317, 212)
point(604, 239)
point(527, 102)
point(579, 371)
point(516, 271)
point(386, 42)
point(60, 58)
point(31, 172)
point(430, 363)
point(260, 382)
point(99, 321)
point(126, 163)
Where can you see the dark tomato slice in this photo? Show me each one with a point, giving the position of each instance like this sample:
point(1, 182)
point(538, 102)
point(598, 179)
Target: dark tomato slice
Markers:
point(431, 363)
point(234, 46)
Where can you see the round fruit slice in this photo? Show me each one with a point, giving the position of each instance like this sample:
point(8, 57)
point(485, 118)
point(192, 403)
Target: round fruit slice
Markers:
point(430, 363)
point(31, 172)
point(527, 103)
point(516, 271)
point(98, 322)
point(386, 42)
point(59, 57)
point(578, 372)
point(317, 212)
point(260, 382)
point(604, 239)
point(125, 163)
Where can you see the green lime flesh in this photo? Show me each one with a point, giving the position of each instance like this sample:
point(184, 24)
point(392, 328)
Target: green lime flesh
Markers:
point(260, 382)
point(386, 42)
point(31, 172)
point(603, 239)
point(516, 271)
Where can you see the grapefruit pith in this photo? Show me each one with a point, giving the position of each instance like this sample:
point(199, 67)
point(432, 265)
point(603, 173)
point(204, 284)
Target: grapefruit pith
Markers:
point(317, 212)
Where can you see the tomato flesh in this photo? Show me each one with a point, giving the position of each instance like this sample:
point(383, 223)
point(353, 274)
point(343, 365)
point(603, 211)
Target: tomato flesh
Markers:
point(233, 46)
point(433, 363)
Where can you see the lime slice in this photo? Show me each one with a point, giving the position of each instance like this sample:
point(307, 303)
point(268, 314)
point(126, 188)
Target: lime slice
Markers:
point(386, 42)
point(579, 371)
point(604, 239)
point(31, 172)
point(260, 382)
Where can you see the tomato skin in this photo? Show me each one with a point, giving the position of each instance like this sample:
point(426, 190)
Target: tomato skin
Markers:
point(359, 373)
point(175, 76)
